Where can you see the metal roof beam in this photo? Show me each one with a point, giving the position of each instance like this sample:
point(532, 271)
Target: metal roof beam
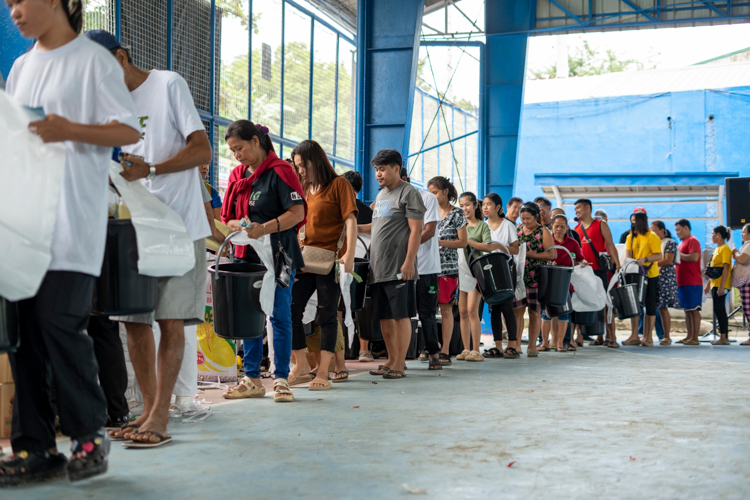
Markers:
point(714, 8)
point(639, 10)
point(567, 12)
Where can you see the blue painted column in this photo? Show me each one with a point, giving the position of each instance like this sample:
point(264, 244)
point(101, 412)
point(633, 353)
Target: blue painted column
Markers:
point(12, 44)
point(387, 54)
point(507, 25)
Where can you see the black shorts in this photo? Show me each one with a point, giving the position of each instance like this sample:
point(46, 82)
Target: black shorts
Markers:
point(651, 296)
point(394, 299)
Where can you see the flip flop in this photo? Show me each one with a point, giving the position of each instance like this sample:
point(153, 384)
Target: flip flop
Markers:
point(394, 374)
point(144, 445)
point(342, 379)
point(382, 370)
point(122, 428)
point(301, 379)
point(326, 385)
point(544, 349)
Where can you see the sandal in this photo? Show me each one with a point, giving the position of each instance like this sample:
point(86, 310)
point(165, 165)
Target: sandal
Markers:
point(136, 444)
point(747, 342)
point(691, 342)
point(631, 342)
point(445, 359)
point(282, 393)
point(720, 342)
point(612, 344)
point(665, 342)
point(394, 374)
point(94, 459)
point(682, 341)
point(462, 356)
point(113, 434)
point(27, 468)
point(337, 376)
point(319, 384)
point(511, 353)
point(532, 354)
point(474, 356)
point(295, 379)
point(544, 349)
point(493, 353)
point(435, 364)
point(382, 370)
point(245, 389)
point(424, 356)
point(597, 342)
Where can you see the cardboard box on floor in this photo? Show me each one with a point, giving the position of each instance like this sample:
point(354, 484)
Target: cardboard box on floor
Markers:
point(7, 392)
point(5, 373)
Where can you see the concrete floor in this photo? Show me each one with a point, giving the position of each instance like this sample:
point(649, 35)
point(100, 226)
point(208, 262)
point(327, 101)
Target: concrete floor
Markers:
point(662, 422)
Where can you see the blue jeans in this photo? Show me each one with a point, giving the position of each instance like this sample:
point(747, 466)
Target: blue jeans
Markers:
point(657, 324)
point(281, 321)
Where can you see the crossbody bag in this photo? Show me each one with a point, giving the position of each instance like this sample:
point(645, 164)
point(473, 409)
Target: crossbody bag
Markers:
point(605, 261)
point(319, 260)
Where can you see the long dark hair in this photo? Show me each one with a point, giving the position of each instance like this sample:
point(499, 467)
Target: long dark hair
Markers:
point(723, 232)
point(533, 209)
point(74, 10)
point(477, 203)
point(497, 200)
point(246, 130)
point(319, 171)
point(662, 227)
point(442, 184)
point(640, 226)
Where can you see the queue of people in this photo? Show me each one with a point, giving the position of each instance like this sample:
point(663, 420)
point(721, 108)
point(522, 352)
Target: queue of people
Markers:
point(421, 245)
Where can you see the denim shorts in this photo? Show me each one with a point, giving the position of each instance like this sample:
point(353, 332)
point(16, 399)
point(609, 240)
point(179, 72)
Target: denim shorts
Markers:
point(562, 317)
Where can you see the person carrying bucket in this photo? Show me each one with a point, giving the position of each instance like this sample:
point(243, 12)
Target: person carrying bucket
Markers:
point(58, 75)
point(599, 250)
point(173, 144)
point(265, 196)
point(396, 231)
point(332, 227)
point(505, 239)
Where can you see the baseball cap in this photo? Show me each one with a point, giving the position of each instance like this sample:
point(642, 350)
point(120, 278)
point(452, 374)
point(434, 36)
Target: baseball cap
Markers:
point(640, 210)
point(103, 38)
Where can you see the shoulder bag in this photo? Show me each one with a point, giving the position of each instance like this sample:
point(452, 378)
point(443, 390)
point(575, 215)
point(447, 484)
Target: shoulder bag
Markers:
point(605, 261)
point(319, 260)
point(282, 261)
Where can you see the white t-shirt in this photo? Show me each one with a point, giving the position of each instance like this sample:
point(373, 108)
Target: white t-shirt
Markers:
point(505, 233)
point(82, 82)
point(428, 255)
point(168, 116)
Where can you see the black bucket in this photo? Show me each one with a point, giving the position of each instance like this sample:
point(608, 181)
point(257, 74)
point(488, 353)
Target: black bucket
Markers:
point(598, 327)
point(9, 329)
point(120, 290)
point(625, 300)
point(494, 277)
point(362, 268)
point(554, 285)
point(236, 293)
point(640, 281)
point(584, 318)
point(555, 311)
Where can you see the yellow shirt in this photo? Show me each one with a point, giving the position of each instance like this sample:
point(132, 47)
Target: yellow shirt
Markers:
point(645, 245)
point(722, 255)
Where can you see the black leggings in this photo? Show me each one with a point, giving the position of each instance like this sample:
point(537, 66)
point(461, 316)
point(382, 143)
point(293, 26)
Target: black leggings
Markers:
point(329, 293)
point(506, 310)
point(720, 310)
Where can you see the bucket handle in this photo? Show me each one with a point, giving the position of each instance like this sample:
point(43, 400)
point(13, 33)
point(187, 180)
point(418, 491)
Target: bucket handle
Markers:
point(367, 250)
point(628, 264)
point(498, 250)
point(221, 250)
point(560, 247)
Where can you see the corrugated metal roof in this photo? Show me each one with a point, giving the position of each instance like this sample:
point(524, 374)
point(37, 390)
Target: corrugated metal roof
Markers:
point(716, 76)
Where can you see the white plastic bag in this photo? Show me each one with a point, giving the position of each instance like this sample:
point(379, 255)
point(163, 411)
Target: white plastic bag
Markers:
point(31, 176)
point(346, 282)
point(311, 309)
point(520, 260)
point(164, 247)
point(588, 290)
point(262, 247)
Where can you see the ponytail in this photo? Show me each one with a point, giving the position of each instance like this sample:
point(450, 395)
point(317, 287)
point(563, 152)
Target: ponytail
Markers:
point(246, 130)
point(74, 11)
point(477, 204)
point(442, 184)
point(498, 201)
point(723, 232)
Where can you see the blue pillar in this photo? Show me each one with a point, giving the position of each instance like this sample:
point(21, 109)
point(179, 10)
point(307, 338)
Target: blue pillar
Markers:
point(387, 54)
point(507, 24)
point(12, 43)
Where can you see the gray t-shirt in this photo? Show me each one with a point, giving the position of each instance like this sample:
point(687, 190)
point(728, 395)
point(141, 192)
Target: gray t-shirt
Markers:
point(390, 230)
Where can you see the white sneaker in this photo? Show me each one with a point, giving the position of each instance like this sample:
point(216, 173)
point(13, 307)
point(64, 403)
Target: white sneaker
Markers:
point(365, 357)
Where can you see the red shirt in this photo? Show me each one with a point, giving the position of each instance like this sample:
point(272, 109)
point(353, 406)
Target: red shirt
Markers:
point(595, 233)
point(689, 273)
point(563, 259)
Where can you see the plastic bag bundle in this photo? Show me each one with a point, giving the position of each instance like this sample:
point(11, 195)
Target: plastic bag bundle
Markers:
point(588, 290)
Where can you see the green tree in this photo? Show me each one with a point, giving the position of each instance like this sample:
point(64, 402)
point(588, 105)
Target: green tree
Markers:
point(588, 61)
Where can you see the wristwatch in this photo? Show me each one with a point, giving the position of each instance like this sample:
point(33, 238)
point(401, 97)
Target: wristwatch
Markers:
point(151, 172)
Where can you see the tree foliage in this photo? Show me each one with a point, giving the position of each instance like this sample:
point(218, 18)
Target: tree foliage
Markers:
point(587, 61)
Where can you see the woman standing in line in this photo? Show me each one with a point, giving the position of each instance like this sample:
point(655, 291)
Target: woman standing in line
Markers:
point(719, 287)
point(264, 196)
point(451, 237)
point(667, 286)
point(504, 238)
point(644, 246)
point(741, 271)
point(331, 225)
point(538, 241)
point(479, 237)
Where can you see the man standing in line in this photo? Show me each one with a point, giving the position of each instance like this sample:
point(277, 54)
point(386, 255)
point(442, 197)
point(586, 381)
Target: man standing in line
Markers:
point(545, 207)
point(597, 239)
point(689, 281)
point(513, 209)
point(173, 144)
point(428, 268)
point(396, 231)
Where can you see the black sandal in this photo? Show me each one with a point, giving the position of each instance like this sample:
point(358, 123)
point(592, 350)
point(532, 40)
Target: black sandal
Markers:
point(424, 356)
point(95, 462)
point(510, 353)
point(435, 364)
point(493, 353)
point(27, 468)
point(394, 374)
point(342, 379)
point(445, 359)
point(382, 370)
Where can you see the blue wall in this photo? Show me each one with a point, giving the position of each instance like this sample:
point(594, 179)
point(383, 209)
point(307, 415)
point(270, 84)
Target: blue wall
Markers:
point(12, 44)
point(664, 133)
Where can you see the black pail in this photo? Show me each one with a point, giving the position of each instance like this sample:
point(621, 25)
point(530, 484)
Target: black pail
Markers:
point(494, 277)
point(236, 293)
